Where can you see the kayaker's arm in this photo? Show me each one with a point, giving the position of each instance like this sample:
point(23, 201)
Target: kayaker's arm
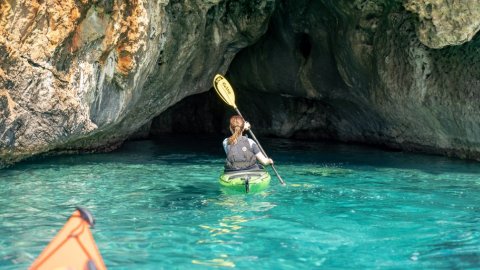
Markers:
point(224, 144)
point(258, 154)
point(264, 160)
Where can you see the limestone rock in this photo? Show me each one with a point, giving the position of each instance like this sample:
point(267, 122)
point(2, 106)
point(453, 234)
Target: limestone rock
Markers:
point(356, 71)
point(85, 74)
point(444, 23)
point(379, 84)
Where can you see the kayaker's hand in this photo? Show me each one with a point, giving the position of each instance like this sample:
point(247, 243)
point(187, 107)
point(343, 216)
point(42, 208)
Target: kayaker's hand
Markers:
point(270, 161)
point(246, 126)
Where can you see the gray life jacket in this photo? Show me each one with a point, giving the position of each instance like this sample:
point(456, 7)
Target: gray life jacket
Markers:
point(240, 155)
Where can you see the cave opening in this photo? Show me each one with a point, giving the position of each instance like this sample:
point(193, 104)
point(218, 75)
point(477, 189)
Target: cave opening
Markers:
point(313, 77)
point(304, 45)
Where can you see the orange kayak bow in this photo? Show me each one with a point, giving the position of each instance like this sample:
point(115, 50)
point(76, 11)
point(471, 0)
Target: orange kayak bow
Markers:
point(73, 247)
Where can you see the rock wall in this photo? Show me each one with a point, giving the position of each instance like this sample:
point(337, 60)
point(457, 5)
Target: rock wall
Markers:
point(368, 72)
point(85, 74)
point(378, 73)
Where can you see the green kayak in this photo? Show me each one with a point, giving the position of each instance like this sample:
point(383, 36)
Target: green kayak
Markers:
point(245, 181)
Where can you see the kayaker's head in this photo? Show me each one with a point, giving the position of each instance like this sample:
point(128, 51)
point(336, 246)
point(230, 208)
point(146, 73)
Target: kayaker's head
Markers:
point(236, 127)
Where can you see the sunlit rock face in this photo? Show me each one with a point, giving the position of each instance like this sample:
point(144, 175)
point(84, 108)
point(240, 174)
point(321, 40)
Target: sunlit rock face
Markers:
point(365, 71)
point(85, 74)
point(443, 22)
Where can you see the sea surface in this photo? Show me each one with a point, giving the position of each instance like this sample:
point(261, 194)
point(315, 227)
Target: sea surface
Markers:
point(158, 205)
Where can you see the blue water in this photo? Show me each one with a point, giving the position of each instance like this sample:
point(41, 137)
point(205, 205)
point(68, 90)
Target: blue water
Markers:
point(158, 205)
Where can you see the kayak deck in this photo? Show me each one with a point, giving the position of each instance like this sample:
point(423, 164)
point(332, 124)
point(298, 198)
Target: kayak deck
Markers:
point(73, 247)
point(245, 181)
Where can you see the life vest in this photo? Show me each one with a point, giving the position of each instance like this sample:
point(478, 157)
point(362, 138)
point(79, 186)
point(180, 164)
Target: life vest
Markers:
point(240, 155)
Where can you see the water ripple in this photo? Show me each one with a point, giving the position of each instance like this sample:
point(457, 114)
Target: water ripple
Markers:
point(159, 206)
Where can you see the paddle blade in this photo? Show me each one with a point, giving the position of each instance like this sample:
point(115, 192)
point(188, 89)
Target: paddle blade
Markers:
point(224, 90)
point(73, 247)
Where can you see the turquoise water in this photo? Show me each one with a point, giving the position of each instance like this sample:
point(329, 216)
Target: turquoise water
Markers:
point(158, 206)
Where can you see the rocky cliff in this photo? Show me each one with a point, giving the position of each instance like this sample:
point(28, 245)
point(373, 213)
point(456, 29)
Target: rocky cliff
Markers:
point(86, 74)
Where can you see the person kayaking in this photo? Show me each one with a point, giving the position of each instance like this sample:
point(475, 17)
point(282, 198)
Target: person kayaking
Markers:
point(242, 152)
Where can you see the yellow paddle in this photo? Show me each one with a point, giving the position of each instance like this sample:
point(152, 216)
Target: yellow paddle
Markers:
point(225, 91)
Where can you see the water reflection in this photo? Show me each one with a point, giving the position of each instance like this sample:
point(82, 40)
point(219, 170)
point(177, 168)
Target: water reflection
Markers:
point(226, 231)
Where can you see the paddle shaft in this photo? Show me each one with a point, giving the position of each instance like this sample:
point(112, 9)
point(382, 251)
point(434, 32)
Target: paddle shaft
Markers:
point(261, 149)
